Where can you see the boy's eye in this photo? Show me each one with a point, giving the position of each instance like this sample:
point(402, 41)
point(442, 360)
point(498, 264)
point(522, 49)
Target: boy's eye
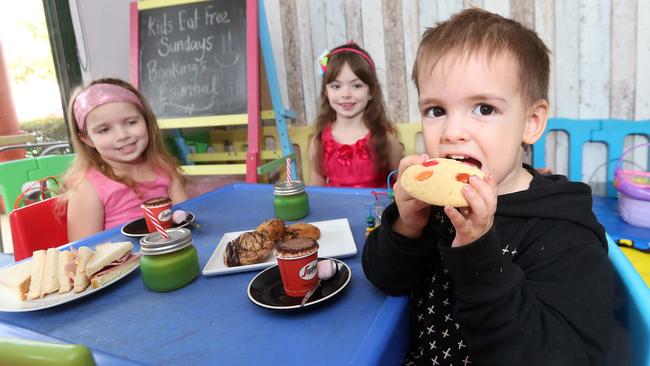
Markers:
point(434, 112)
point(484, 109)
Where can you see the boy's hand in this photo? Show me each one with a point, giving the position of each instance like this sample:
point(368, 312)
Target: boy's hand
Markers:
point(413, 213)
point(474, 221)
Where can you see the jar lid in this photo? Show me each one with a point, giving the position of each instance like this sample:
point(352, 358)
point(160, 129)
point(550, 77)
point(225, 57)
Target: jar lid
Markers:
point(282, 188)
point(155, 244)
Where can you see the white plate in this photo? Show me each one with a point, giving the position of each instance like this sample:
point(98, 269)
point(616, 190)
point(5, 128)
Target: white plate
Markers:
point(9, 302)
point(335, 241)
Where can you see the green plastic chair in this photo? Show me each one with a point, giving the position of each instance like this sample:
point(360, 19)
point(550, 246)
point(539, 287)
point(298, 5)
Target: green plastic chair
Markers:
point(13, 174)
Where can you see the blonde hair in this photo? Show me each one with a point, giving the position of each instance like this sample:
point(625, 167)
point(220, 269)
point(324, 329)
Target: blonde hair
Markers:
point(474, 31)
point(87, 157)
point(375, 117)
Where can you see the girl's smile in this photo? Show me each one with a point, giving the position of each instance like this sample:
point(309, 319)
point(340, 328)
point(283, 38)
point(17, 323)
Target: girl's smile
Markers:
point(118, 131)
point(347, 94)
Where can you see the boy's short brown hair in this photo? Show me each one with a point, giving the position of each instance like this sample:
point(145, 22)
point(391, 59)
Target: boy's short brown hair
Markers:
point(472, 31)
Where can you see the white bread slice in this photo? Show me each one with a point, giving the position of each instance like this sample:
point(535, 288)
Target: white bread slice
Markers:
point(65, 277)
point(37, 272)
point(51, 278)
point(103, 277)
point(80, 278)
point(106, 254)
point(17, 278)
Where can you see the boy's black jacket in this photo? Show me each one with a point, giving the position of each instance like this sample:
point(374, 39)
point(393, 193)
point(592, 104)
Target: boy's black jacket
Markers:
point(536, 289)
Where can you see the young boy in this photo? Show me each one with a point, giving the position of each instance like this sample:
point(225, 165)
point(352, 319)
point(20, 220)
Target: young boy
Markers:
point(521, 276)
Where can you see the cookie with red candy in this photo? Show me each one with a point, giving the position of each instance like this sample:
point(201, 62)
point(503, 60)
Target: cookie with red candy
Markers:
point(439, 181)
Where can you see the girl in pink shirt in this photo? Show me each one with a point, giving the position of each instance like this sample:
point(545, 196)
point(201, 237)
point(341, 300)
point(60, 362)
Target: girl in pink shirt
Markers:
point(121, 160)
point(355, 144)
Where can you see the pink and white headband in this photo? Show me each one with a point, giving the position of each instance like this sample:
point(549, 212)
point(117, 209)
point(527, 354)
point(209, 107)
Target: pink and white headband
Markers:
point(99, 94)
point(323, 59)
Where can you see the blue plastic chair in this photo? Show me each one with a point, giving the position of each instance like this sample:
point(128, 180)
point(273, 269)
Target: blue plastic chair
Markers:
point(611, 132)
point(631, 338)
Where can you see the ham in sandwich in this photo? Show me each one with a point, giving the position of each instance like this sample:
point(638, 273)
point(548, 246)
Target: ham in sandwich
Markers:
point(110, 261)
point(80, 278)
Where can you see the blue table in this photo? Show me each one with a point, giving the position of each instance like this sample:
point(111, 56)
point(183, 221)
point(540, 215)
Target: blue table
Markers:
point(212, 321)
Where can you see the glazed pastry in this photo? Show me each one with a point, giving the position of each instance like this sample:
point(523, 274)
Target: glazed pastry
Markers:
point(273, 229)
point(248, 248)
point(301, 230)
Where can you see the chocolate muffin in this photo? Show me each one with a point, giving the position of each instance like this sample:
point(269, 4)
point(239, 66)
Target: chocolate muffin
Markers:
point(301, 230)
point(274, 229)
point(295, 248)
point(248, 248)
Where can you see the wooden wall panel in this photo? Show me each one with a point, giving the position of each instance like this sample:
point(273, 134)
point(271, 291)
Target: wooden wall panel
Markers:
point(600, 52)
point(395, 87)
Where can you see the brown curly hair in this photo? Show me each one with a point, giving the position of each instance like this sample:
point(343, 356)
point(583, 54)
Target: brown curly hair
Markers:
point(375, 117)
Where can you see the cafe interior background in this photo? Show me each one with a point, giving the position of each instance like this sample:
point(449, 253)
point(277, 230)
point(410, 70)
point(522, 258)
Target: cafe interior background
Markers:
point(600, 50)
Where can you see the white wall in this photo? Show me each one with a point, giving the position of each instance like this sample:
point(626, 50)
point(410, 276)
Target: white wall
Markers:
point(102, 33)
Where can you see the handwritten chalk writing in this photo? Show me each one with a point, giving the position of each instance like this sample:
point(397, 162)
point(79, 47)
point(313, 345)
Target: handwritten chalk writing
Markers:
point(213, 17)
point(188, 23)
point(156, 27)
point(192, 58)
point(188, 44)
point(175, 70)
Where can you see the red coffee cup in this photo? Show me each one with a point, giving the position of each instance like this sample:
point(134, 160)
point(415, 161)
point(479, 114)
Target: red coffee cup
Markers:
point(157, 213)
point(298, 265)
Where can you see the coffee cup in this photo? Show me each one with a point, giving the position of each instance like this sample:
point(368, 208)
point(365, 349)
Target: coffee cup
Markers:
point(157, 213)
point(298, 264)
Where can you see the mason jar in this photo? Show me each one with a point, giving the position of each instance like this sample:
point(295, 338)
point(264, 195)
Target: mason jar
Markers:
point(168, 264)
point(290, 200)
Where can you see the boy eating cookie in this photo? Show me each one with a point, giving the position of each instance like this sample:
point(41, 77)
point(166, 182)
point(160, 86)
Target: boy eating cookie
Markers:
point(520, 275)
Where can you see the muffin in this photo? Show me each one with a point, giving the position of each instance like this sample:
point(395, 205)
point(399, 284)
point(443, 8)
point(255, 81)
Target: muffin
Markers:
point(248, 248)
point(274, 229)
point(301, 230)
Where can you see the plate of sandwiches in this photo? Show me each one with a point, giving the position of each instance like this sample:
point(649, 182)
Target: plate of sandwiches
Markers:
point(252, 250)
point(54, 277)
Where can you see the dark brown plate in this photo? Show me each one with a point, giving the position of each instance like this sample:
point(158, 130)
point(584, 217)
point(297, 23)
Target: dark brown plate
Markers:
point(138, 227)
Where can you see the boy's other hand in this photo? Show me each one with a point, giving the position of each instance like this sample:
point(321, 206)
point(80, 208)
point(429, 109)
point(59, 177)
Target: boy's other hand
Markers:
point(472, 222)
point(413, 213)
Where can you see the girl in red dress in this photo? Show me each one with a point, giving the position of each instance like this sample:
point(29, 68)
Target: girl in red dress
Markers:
point(355, 144)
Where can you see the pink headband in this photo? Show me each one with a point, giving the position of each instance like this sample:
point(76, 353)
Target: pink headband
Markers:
point(324, 58)
point(99, 94)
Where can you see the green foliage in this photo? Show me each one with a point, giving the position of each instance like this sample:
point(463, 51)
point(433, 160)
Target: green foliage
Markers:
point(46, 129)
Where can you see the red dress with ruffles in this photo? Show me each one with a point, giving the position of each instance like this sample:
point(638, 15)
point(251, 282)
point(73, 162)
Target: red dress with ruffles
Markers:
point(350, 165)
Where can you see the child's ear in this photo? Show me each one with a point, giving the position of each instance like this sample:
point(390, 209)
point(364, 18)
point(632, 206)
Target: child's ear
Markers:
point(84, 138)
point(535, 122)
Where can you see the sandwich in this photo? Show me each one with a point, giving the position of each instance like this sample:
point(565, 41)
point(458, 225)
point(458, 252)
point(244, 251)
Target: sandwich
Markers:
point(80, 279)
point(17, 279)
point(51, 277)
point(66, 271)
point(110, 261)
point(37, 273)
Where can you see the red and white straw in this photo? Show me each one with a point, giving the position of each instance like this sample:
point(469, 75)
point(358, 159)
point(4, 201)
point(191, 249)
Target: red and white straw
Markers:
point(288, 171)
point(156, 223)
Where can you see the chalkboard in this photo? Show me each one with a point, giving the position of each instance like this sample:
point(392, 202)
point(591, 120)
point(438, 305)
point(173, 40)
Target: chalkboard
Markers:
point(192, 58)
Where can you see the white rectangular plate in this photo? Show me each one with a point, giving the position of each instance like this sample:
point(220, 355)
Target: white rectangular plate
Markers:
point(335, 241)
point(9, 301)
